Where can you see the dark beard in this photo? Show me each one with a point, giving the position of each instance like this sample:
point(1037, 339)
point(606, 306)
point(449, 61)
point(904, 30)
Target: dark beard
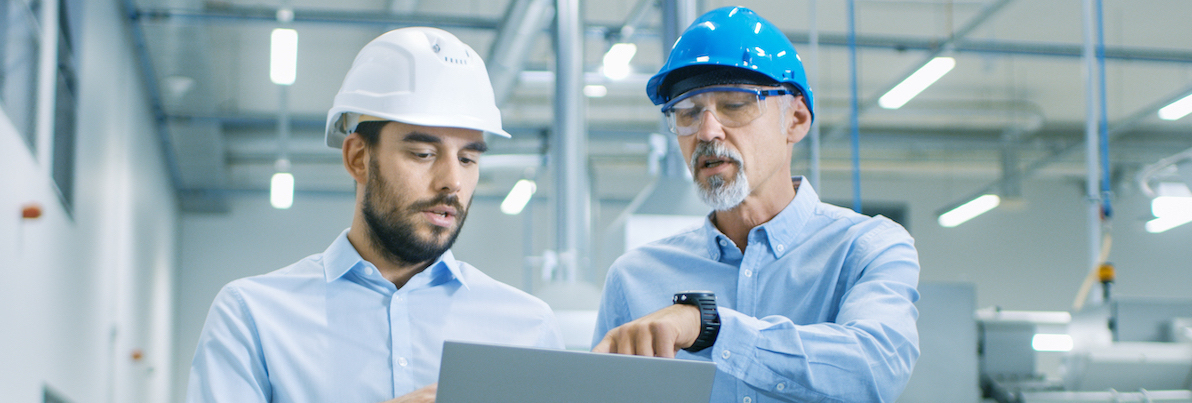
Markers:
point(393, 232)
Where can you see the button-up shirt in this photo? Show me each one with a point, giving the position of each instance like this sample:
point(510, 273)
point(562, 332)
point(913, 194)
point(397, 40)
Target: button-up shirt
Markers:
point(330, 328)
point(819, 307)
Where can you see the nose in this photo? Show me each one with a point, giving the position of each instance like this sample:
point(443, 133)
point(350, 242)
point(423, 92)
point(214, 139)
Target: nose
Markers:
point(709, 127)
point(448, 176)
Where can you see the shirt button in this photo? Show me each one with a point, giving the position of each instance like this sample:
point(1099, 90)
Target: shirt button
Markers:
point(725, 354)
point(746, 399)
point(780, 248)
point(368, 271)
point(723, 243)
point(748, 273)
point(402, 361)
point(780, 386)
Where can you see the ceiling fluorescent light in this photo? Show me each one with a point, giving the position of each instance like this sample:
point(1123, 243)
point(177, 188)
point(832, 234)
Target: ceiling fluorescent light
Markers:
point(1177, 109)
point(1170, 212)
point(616, 61)
point(281, 190)
point(281, 187)
point(283, 56)
point(917, 82)
point(518, 197)
point(595, 91)
point(969, 210)
point(1051, 342)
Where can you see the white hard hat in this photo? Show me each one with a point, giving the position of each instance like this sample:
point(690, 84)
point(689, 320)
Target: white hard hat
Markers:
point(420, 76)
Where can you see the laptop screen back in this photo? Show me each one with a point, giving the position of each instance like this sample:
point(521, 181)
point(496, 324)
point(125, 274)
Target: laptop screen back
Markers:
point(501, 374)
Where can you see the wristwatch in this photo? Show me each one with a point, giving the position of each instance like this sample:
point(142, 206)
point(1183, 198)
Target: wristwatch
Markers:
point(709, 319)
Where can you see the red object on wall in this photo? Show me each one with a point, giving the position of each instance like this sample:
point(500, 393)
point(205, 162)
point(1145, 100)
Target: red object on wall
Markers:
point(31, 211)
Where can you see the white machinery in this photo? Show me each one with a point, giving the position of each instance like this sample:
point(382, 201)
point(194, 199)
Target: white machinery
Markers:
point(1127, 350)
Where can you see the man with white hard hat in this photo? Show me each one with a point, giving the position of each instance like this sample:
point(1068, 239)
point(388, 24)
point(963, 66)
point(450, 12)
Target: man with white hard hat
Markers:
point(795, 300)
point(365, 320)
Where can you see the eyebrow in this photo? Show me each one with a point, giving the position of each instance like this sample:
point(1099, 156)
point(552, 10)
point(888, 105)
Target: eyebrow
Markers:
point(420, 137)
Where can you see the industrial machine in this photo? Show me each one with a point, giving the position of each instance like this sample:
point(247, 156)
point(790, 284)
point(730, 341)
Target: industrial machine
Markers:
point(1128, 349)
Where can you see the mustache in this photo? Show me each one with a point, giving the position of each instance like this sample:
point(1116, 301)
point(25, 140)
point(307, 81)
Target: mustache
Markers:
point(440, 200)
point(712, 149)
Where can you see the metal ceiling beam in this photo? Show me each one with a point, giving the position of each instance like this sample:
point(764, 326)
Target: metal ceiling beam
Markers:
point(524, 21)
point(268, 15)
point(981, 17)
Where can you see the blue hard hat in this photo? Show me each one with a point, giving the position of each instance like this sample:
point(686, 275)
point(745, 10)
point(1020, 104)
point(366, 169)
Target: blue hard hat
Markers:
point(729, 45)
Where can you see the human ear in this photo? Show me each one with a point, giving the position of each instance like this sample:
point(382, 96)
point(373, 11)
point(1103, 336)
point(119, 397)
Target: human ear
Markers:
point(798, 119)
point(356, 158)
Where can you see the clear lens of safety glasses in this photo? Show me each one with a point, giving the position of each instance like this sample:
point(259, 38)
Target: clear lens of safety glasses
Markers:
point(732, 106)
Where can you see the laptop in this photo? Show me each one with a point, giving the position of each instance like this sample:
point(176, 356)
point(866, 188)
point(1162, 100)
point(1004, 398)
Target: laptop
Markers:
point(471, 373)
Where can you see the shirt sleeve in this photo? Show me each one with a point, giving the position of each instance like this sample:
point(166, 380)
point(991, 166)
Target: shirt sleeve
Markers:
point(550, 336)
point(613, 310)
point(228, 365)
point(866, 354)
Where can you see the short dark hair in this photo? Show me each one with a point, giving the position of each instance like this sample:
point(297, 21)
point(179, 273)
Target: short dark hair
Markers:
point(370, 131)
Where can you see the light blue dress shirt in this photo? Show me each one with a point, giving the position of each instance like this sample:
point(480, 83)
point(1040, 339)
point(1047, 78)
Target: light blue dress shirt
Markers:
point(330, 328)
point(820, 307)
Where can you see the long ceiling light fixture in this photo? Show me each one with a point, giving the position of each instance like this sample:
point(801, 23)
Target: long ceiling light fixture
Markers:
point(917, 82)
point(1172, 207)
point(968, 211)
point(1177, 109)
point(281, 187)
point(283, 56)
point(518, 197)
point(616, 61)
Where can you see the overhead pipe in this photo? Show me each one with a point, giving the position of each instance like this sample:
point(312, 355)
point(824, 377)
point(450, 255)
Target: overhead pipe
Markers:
point(812, 69)
point(524, 20)
point(1093, 211)
point(635, 19)
point(854, 109)
point(570, 145)
point(1106, 201)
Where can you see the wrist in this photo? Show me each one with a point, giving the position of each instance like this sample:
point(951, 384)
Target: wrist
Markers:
point(709, 318)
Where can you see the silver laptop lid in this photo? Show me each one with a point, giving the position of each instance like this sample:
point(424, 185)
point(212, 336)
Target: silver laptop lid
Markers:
point(472, 373)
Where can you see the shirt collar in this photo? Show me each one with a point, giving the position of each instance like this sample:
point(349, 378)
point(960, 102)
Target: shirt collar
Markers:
point(780, 231)
point(341, 257)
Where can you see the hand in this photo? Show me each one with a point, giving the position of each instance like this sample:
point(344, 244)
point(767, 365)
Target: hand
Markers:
point(424, 395)
point(659, 334)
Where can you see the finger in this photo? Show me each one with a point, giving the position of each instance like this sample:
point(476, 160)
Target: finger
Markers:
point(665, 346)
point(603, 346)
point(624, 342)
point(643, 344)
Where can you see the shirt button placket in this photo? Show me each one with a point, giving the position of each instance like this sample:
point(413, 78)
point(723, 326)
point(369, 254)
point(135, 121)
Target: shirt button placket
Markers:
point(400, 347)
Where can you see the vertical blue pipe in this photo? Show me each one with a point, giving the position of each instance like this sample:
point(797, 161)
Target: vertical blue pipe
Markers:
point(854, 112)
point(1106, 206)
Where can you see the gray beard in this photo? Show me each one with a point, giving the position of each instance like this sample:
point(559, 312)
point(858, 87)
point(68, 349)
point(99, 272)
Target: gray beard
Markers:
point(717, 192)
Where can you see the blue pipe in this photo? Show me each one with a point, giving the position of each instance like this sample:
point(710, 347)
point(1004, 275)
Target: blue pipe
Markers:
point(855, 112)
point(1106, 206)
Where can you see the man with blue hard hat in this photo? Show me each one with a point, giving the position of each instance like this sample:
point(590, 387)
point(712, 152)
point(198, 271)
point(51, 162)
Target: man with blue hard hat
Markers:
point(799, 300)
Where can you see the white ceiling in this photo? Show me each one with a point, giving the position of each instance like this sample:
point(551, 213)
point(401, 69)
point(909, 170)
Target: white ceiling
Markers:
point(1019, 68)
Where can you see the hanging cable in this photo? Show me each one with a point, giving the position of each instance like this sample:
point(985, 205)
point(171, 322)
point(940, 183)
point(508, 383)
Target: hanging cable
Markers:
point(1106, 206)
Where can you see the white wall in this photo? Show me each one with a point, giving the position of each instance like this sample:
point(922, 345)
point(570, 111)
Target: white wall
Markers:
point(81, 291)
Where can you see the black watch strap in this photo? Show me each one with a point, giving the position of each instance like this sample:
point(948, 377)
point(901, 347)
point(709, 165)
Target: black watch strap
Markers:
point(709, 319)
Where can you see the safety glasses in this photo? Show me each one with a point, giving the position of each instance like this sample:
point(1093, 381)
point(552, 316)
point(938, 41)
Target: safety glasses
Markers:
point(732, 107)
